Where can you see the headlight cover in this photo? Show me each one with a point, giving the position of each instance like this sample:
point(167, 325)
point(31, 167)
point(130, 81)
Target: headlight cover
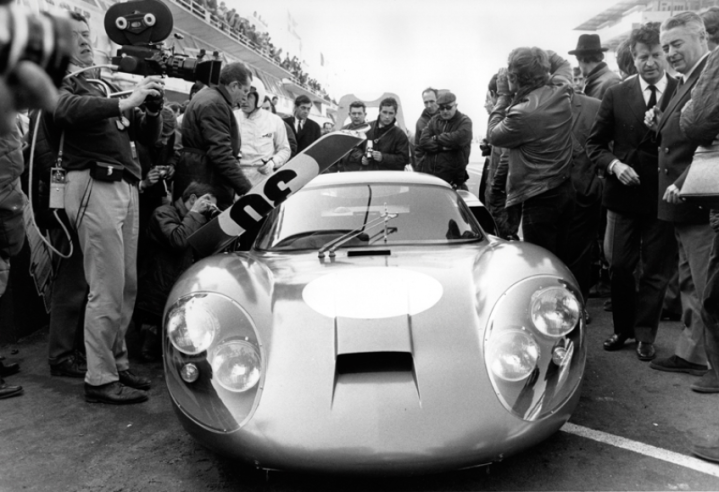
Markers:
point(555, 311)
point(534, 346)
point(192, 325)
point(513, 354)
point(236, 365)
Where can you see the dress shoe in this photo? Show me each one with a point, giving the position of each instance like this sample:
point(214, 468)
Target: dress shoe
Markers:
point(70, 368)
point(608, 306)
point(133, 381)
point(6, 390)
point(9, 369)
point(677, 364)
point(709, 451)
point(646, 351)
point(114, 393)
point(615, 342)
point(707, 384)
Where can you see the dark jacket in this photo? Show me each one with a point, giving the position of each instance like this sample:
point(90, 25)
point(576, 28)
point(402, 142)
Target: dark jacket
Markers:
point(292, 139)
point(393, 143)
point(675, 155)
point(538, 131)
point(584, 175)
point(310, 132)
point(619, 133)
point(90, 122)
point(169, 253)
point(211, 144)
point(353, 160)
point(446, 145)
point(599, 80)
point(12, 199)
point(419, 128)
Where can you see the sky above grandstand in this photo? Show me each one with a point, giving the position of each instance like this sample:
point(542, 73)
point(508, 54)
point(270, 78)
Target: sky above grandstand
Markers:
point(403, 46)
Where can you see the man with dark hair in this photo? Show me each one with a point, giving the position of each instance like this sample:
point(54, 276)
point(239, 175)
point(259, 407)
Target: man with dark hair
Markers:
point(353, 160)
point(429, 97)
point(446, 142)
point(387, 146)
point(101, 201)
point(625, 59)
point(683, 39)
point(168, 231)
point(625, 151)
point(211, 137)
point(536, 125)
point(306, 130)
point(590, 56)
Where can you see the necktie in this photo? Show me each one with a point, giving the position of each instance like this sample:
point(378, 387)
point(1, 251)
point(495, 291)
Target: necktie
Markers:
point(299, 126)
point(653, 97)
point(680, 81)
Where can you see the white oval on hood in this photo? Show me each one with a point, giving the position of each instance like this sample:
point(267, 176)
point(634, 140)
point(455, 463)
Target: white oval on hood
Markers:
point(372, 293)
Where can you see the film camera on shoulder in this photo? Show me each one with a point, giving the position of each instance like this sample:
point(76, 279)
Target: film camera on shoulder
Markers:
point(141, 27)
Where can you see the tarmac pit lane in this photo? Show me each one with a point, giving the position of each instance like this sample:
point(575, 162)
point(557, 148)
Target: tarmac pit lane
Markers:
point(52, 440)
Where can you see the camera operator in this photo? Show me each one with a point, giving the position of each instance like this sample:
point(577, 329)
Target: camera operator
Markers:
point(169, 228)
point(211, 137)
point(101, 202)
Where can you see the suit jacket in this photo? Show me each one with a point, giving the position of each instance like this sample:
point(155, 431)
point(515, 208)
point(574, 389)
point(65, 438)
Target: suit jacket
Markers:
point(310, 132)
point(675, 155)
point(584, 176)
point(600, 80)
point(619, 132)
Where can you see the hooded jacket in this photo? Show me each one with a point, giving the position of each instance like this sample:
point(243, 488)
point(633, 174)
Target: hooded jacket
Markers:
point(392, 142)
point(447, 144)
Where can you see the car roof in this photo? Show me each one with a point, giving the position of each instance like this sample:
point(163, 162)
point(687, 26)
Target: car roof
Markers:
point(379, 177)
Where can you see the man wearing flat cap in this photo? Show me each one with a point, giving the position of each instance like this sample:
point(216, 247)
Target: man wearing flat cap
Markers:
point(446, 142)
point(590, 55)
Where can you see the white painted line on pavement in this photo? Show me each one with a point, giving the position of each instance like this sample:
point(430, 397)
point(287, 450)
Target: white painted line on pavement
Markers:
point(645, 449)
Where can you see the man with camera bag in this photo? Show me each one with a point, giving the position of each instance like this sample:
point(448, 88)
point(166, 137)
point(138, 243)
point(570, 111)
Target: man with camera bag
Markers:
point(101, 201)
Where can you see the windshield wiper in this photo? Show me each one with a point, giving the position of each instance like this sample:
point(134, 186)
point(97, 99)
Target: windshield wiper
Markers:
point(336, 243)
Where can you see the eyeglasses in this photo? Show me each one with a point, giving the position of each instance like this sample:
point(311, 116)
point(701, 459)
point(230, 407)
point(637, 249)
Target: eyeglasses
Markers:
point(446, 107)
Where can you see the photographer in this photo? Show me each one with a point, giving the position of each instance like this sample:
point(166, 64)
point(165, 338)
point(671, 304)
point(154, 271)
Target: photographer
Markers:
point(101, 201)
point(169, 228)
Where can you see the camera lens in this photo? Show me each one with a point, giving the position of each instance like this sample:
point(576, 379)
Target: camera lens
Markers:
point(43, 39)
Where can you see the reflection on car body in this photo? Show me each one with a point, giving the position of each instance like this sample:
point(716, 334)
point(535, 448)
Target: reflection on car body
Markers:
point(419, 343)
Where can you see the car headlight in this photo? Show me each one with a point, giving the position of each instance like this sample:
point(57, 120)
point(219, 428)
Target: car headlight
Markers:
point(555, 311)
point(236, 365)
point(192, 325)
point(513, 355)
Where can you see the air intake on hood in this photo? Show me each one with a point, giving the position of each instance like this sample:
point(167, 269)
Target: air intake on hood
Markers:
point(373, 362)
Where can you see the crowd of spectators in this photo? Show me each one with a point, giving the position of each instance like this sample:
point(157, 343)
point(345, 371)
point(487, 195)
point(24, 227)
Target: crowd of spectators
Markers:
point(231, 21)
point(567, 164)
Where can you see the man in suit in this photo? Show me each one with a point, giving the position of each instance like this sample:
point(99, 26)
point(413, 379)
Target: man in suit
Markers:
point(306, 130)
point(584, 224)
point(625, 151)
point(597, 75)
point(684, 41)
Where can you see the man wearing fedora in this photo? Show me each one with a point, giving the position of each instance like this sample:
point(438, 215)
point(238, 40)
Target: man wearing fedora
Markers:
point(597, 76)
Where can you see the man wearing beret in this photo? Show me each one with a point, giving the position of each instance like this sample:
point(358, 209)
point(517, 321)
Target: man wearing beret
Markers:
point(590, 56)
point(446, 142)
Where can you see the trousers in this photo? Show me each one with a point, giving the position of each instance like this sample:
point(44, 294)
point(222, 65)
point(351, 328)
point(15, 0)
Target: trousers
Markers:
point(105, 215)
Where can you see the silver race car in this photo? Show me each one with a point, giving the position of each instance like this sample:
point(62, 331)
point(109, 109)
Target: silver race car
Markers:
point(375, 327)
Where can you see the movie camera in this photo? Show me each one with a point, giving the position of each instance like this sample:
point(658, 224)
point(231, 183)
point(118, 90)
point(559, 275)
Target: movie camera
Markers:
point(43, 39)
point(140, 27)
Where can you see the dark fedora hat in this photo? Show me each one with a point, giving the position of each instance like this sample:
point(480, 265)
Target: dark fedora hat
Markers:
point(588, 43)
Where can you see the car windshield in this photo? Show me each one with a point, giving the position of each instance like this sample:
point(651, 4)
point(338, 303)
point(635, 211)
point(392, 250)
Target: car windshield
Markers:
point(378, 214)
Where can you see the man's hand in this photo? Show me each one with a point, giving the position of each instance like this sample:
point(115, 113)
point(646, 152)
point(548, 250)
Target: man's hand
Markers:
point(377, 156)
point(267, 167)
point(149, 86)
point(672, 195)
point(502, 82)
point(153, 176)
point(203, 204)
point(625, 174)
